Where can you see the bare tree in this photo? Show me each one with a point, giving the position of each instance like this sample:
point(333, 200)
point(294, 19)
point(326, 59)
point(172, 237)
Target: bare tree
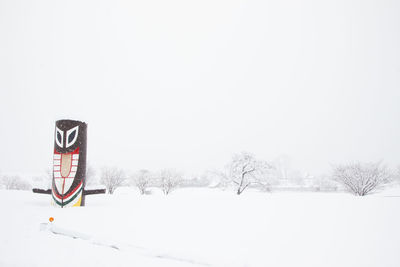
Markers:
point(43, 181)
point(14, 183)
point(244, 170)
point(8, 182)
point(361, 178)
point(169, 180)
point(141, 179)
point(112, 178)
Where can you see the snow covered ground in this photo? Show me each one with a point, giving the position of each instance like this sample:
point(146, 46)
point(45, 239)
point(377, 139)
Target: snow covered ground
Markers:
point(202, 227)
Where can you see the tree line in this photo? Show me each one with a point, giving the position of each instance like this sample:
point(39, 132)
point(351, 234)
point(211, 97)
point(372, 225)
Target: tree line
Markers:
point(243, 171)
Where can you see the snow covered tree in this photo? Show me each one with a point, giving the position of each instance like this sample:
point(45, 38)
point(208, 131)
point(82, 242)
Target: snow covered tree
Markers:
point(8, 182)
point(141, 180)
point(244, 170)
point(361, 178)
point(14, 183)
point(169, 180)
point(43, 181)
point(112, 178)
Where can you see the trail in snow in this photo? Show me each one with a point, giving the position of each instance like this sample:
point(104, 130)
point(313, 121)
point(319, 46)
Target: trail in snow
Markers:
point(52, 228)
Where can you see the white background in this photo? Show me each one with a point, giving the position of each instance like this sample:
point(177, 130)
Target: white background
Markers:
point(185, 84)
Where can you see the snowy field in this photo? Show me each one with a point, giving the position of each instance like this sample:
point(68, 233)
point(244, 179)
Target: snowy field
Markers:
point(203, 227)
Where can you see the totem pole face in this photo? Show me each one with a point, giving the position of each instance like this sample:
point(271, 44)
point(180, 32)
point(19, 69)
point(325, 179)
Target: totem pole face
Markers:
point(69, 163)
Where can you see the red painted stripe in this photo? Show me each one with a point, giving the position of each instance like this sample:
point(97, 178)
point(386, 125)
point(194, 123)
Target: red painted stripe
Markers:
point(73, 191)
point(76, 151)
point(64, 197)
point(55, 191)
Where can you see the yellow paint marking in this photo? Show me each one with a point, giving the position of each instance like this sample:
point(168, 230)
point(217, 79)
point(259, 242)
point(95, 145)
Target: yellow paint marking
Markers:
point(78, 203)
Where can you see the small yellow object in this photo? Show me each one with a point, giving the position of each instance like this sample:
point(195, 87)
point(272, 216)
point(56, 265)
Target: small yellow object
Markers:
point(51, 219)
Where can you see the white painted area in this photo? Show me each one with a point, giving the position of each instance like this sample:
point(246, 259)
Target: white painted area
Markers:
point(71, 175)
point(61, 133)
point(194, 227)
point(67, 185)
point(69, 132)
point(59, 184)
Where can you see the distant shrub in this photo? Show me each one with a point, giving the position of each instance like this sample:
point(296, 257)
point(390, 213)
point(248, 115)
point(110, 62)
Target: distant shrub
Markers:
point(361, 178)
point(112, 178)
point(169, 180)
point(141, 180)
point(14, 183)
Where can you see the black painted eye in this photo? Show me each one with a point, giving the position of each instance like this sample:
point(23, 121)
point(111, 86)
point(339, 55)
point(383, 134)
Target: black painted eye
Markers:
point(72, 135)
point(59, 137)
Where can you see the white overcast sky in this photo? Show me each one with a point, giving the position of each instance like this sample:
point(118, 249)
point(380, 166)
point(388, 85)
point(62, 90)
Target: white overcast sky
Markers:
point(184, 84)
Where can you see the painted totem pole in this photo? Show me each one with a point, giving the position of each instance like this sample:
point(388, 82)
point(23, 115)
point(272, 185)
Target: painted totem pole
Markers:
point(69, 165)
